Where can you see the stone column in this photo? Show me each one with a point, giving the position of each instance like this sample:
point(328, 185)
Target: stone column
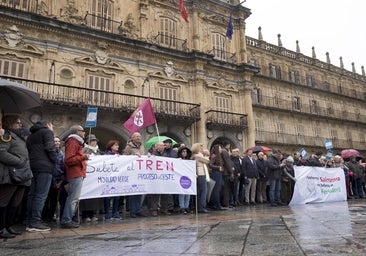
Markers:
point(195, 28)
point(250, 136)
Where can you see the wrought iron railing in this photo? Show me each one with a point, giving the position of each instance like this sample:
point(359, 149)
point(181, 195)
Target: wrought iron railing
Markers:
point(215, 118)
point(223, 55)
point(269, 138)
point(276, 103)
point(320, 85)
point(170, 42)
point(60, 94)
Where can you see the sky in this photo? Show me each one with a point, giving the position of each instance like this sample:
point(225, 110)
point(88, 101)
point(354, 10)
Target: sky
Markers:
point(333, 26)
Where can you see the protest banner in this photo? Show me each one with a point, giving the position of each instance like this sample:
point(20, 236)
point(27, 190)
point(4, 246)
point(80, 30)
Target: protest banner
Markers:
point(116, 175)
point(318, 184)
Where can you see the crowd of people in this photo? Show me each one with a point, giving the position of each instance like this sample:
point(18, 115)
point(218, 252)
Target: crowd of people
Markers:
point(226, 178)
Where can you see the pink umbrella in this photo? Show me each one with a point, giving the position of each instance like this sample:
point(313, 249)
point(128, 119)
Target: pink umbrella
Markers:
point(347, 153)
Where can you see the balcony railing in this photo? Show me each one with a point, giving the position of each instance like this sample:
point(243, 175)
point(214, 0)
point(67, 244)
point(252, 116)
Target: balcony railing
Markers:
point(265, 137)
point(221, 119)
point(275, 103)
point(170, 42)
point(24, 5)
point(223, 55)
point(58, 94)
point(320, 85)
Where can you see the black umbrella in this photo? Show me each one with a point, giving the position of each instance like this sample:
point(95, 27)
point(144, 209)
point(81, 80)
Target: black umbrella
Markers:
point(16, 97)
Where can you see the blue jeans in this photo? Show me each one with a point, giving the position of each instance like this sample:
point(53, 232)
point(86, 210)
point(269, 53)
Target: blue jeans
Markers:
point(201, 192)
point(37, 196)
point(73, 195)
point(275, 191)
point(115, 207)
point(134, 203)
point(216, 192)
point(184, 201)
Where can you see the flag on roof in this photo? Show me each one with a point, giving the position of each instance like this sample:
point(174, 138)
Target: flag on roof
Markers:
point(229, 30)
point(183, 10)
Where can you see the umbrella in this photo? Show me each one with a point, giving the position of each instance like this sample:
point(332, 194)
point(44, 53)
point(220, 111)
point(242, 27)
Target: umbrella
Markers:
point(347, 153)
point(153, 140)
point(16, 97)
point(257, 149)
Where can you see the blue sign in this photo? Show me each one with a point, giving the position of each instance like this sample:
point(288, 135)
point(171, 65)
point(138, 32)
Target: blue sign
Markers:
point(303, 153)
point(91, 118)
point(328, 144)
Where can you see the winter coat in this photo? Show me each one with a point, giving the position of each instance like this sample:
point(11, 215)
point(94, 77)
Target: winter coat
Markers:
point(41, 148)
point(227, 164)
point(250, 168)
point(132, 149)
point(274, 169)
point(13, 153)
point(75, 159)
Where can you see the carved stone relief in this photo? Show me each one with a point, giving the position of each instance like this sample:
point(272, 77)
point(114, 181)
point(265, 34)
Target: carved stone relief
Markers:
point(13, 36)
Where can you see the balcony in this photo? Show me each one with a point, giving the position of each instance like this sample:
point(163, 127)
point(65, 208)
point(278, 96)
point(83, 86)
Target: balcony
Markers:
point(171, 42)
point(71, 96)
point(270, 138)
point(225, 120)
point(287, 105)
point(223, 55)
point(319, 85)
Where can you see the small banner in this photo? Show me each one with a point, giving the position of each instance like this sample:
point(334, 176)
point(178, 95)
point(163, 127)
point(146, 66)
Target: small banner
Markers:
point(116, 175)
point(91, 117)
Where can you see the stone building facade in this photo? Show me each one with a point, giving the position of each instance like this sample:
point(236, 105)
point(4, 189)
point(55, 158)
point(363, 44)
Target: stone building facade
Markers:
point(112, 54)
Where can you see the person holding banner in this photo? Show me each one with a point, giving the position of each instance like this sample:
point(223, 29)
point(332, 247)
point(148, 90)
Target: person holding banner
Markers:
point(75, 161)
point(185, 154)
point(275, 175)
point(135, 147)
point(197, 149)
point(89, 207)
point(112, 148)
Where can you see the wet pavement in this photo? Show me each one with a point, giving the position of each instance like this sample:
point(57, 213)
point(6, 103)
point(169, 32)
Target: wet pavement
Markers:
point(317, 229)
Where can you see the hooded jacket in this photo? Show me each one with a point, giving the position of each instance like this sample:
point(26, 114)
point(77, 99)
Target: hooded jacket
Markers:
point(42, 149)
point(75, 159)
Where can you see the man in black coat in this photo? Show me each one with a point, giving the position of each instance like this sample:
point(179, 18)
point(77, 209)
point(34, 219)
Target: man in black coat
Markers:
point(251, 174)
point(43, 158)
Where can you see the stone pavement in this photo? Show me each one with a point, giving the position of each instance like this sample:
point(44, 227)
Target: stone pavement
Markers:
point(317, 229)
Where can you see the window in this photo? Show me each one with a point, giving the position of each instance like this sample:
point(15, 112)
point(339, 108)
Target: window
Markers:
point(260, 136)
point(102, 11)
point(296, 103)
point(330, 110)
point(12, 68)
point(255, 96)
point(274, 71)
point(310, 81)
point(294, 76)
point(223, 106)
point(300, 130)
point(168, 32)
point(98, 82)
point(281, 132)
point(314, 106)
point(169, 107)
point(19, 4)
point(218, 43)
point(334, 134)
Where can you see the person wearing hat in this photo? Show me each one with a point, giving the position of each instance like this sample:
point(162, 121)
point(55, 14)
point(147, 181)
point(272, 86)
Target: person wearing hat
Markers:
point(89, 207)
point(274, 176)
point(169, 201)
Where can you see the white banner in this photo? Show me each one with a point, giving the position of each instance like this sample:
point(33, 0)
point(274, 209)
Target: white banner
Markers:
point(115, 175)
point(318, 184)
